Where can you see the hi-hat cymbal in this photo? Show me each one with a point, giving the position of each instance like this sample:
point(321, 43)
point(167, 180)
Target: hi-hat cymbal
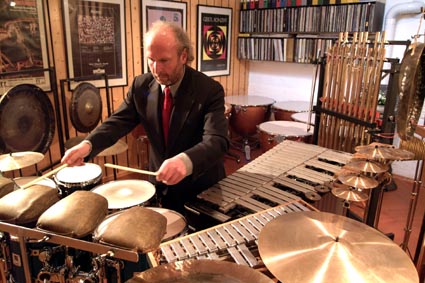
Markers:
point(18, 160)
point(349, 193)
point(117, 148)
point(202, 270)
point(385, 153)
point(372, 145)
point(313, 246)
point(125, 193)
point(367, 166)
point(358, 181)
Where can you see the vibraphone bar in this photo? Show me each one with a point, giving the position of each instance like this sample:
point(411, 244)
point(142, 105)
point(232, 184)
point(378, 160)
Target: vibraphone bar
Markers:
point(288, 172)
point(234, 241)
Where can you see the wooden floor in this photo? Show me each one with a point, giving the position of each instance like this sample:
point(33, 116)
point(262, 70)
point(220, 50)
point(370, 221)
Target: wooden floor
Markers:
point(395, 205)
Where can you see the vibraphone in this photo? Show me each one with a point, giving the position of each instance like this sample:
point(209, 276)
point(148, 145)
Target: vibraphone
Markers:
point(288, 172)
point(234, 241)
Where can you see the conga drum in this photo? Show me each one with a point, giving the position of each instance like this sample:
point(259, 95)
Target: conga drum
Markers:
point(248, 112)
point(283, 110)
point(273, 132)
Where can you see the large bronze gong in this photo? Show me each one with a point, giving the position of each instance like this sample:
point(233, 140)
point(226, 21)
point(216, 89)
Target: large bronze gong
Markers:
point(26, 120)
point(85, 107)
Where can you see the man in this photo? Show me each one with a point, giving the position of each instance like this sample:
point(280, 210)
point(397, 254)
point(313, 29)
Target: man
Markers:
point(191, 158)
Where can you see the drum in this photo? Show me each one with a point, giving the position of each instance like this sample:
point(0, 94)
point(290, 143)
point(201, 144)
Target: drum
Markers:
point(176, 223)
point(303, 117)
point(125, 193)
point(248, 112)
point(20, 181)
point(283, 110)
point(71, 179)
point(274, 132)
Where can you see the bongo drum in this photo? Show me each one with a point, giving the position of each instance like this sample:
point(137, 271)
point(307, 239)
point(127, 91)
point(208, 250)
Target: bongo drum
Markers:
point(248, 112)
point(273, 132)
point(71, 179)
point(283, 110)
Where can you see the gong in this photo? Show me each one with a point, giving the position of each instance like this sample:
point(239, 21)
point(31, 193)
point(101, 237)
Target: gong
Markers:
point(26, 120)
point(85, 107)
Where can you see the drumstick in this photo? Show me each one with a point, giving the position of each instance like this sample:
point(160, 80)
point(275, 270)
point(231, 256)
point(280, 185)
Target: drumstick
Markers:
point(43, 176)
point(131, 169)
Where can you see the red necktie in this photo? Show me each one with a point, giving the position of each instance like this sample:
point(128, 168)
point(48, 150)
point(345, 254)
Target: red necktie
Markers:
point(166, 112)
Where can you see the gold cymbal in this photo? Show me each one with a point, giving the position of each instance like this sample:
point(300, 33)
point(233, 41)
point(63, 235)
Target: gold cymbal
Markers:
point(358, 181)
point(367, 166)
point(313, 246)
point(117, 148)
point(372, 145)
point(18, 160)
point(385, 153)
point(202, 270)
point(349, 193)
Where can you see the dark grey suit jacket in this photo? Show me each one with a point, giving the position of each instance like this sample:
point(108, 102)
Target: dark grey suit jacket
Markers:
point(198, 127)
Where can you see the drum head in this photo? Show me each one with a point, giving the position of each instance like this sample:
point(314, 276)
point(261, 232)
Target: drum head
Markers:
point(27, 120)
point(85, 107)
point(79, 174)
point(285, 128)
point(176, 223)
point(125, 193)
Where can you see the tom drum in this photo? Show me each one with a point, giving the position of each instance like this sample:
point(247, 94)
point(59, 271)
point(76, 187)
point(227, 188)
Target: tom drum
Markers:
point(248, 111)
point(283, 110)
point(176, 223)
point(273, 132)
point(71, 179)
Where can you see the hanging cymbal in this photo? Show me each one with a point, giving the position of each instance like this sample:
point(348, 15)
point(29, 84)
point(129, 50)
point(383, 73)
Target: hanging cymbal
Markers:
point(313, 246)
point(367, 166)
point(202, 270)
point(358, 181)
point(117, 148)
point(349, 193)
point(73, 141)
point(385, 153)
point(18, 160)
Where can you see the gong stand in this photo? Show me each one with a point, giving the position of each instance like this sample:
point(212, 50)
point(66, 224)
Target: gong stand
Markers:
point(54, 90)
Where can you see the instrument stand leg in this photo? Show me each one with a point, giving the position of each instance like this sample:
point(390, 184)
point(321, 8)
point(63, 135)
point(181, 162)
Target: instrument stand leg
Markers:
point(412, 207)
point(245, 144)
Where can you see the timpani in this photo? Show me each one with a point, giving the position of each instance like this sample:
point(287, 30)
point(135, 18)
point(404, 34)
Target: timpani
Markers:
point(273, 132)
point(304, 117)
point(248, 111)
point(283, 110)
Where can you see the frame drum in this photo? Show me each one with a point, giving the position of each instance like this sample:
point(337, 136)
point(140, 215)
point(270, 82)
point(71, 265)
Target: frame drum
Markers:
point(248, 111)
point(283, 110)
point(274, 132)
point(85, 177)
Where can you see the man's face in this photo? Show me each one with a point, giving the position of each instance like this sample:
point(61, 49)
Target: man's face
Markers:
point(164, 60)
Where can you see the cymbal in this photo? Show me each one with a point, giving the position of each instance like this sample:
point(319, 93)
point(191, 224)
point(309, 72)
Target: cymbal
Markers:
point(202, 270)
point(367, 166)
point(18, 160)
point(372, 145)
point(313, 246)
point(117, 148)
point(385, 153)
point(358, 181)
point(125, 193)
point(349, 193)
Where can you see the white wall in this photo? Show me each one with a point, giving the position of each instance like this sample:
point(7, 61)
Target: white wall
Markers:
point(291, 81)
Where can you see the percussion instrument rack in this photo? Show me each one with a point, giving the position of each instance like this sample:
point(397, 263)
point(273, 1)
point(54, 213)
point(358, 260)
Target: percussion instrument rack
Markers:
point(24, 235)
point(288, 172)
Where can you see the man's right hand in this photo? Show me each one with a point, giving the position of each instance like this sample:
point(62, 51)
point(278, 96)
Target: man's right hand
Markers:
point(75, 155)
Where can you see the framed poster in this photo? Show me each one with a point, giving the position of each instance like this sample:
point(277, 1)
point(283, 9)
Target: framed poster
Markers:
point(23, 45)
point(95, 40)
point(154, 10)
point(214, 37)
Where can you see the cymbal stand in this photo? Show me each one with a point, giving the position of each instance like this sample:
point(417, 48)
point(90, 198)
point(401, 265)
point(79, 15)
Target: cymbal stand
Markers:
point(412, 206)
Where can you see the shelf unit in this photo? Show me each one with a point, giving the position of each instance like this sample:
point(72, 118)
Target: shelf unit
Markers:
point(301, 33)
